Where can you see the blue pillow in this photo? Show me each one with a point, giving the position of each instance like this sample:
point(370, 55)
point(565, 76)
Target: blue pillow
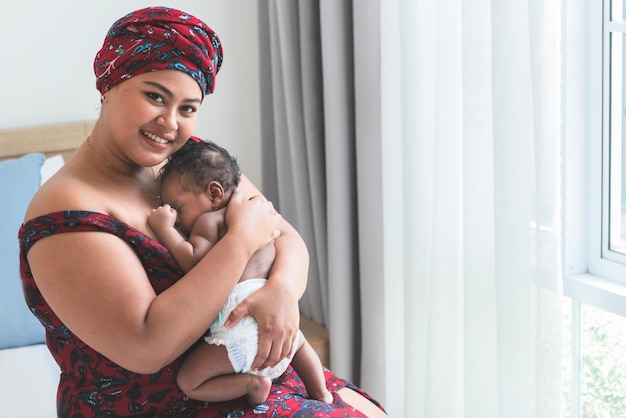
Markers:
point(19, 180)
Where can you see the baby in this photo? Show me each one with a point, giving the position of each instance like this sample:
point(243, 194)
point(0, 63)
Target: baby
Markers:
point(196, 185)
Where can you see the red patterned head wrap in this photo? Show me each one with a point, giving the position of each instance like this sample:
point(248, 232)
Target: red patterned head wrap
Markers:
point(158, 38)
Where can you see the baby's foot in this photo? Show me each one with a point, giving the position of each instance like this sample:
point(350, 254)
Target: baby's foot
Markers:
point(258, 389)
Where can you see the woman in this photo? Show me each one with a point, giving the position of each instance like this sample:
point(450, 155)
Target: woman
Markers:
point(119, 313)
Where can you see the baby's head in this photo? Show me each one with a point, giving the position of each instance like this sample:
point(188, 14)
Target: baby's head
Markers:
point(202, 170)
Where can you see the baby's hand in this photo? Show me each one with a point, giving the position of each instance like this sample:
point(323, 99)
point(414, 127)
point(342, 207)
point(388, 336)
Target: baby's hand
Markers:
point(163, 216)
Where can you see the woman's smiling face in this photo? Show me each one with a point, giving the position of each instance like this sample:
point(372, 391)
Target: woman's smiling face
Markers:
point(157, 111)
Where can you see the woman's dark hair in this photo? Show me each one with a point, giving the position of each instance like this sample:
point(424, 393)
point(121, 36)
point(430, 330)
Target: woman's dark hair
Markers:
point(200, 162)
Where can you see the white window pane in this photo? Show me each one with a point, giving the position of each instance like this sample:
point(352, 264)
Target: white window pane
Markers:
point(617, 10)
point(617, 151)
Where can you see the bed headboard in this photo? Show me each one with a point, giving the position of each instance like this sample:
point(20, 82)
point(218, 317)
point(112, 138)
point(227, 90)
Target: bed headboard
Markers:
point(61, 138)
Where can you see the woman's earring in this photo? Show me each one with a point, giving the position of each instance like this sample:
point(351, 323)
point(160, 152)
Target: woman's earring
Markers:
point(102, 99)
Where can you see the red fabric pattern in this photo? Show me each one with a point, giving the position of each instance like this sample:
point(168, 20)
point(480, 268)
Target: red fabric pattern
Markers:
point(158, 38)
point(93, 386)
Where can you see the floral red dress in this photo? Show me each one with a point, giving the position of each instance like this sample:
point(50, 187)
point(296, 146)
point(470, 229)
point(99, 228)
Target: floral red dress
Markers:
point(93, 386)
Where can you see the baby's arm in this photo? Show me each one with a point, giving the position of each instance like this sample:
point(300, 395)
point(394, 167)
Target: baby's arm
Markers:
point(186, 252)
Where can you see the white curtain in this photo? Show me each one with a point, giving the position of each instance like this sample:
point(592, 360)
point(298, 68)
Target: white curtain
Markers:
point(468, 212)
point(453, 131)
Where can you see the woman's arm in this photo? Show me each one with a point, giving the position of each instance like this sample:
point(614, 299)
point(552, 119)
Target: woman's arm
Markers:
point(275, 305)
point(98, 287)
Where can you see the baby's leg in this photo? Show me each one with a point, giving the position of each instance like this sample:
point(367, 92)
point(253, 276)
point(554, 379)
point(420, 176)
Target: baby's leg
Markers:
point(207, 375)
point(309, 367)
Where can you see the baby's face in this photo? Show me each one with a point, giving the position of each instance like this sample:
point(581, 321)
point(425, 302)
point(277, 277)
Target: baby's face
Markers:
point(189, 205)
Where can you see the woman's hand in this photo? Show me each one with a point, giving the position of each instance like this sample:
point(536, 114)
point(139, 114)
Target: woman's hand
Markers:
point(276, 311)
point(275, 305)
point(254, 220)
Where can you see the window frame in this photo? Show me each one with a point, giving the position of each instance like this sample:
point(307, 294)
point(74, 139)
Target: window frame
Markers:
point(590, 276)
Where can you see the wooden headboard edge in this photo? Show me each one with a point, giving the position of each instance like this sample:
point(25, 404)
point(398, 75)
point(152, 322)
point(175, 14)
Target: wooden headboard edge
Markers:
point(53, 139)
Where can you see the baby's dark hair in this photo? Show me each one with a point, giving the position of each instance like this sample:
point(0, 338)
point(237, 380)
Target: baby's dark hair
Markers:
point(200, 162)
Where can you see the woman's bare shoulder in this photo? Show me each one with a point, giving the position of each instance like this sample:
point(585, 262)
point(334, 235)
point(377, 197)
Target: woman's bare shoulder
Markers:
point(65, 190)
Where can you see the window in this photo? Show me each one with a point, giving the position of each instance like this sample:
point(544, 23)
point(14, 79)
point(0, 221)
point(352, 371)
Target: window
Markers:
point(602, 377)
point(615, 108)
point(594, 76)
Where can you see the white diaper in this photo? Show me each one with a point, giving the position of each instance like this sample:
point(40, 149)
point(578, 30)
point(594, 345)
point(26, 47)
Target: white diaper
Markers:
point(242, 340)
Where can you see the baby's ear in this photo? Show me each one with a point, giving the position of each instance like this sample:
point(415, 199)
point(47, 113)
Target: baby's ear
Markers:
point(216, 191)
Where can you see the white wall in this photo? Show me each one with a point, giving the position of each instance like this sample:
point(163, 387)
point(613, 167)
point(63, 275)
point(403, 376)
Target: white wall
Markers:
point(46, 66)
